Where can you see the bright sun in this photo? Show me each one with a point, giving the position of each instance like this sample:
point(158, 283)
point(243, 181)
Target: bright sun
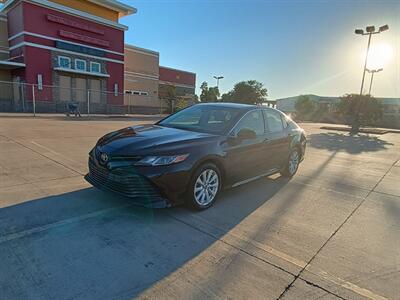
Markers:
point(379, 55)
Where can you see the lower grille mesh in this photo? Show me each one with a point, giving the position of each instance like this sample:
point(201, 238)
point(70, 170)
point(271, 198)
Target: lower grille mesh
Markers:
point(123, 182)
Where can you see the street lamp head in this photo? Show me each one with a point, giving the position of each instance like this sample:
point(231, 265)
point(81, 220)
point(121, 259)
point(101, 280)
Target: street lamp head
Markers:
point(370, 29)
point(374, 71)
point(383, 28)
point(359, 31)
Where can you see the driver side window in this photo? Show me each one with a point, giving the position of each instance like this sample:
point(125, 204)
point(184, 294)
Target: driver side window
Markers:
point(252, 120)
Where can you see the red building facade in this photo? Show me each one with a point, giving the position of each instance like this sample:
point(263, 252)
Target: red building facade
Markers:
point(184, 82)
point(66, 52)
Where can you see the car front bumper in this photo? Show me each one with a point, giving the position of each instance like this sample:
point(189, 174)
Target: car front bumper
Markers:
point(159, 187)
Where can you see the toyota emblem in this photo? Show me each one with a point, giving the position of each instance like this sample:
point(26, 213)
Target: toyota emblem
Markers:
point(104, 158)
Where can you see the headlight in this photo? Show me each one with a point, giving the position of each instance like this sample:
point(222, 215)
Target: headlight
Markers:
point(162, 160)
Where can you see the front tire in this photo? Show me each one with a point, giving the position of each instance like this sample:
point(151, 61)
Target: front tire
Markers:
point(293, 164)
point(205, 187)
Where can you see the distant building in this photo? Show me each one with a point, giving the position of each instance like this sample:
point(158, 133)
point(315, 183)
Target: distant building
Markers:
point(74, 50)
point(73, 45)
point(184, 82)
point(141, 80)
point(391, 107)
point(147, 84)
point(287, 105)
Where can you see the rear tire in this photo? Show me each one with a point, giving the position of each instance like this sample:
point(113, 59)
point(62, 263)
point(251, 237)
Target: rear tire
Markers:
point(204, 187)
point(293, 164)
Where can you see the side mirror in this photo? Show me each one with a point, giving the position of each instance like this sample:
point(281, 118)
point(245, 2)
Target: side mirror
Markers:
point(247, 134)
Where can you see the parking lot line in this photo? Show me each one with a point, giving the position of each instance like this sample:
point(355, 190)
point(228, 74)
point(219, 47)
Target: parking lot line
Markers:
point(41, 154)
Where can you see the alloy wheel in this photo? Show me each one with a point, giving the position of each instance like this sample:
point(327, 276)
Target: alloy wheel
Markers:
point(206, 187)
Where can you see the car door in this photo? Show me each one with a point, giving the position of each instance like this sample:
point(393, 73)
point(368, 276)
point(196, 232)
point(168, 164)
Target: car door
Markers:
point(244, 155)
point(277, 139)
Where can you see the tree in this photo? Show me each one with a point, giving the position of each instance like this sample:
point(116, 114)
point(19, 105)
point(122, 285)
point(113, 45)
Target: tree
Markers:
point(304, 107)
point(360, 110)
point(170, 97)
point(250, 92)
point(208, 94)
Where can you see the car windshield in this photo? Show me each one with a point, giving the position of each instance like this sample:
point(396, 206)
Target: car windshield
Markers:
point(203, 118)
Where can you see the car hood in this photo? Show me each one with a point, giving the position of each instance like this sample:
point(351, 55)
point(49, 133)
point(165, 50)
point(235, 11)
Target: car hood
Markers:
point(138, 140)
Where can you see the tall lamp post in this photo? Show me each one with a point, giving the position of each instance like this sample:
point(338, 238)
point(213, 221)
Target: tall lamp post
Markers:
point(370, 30)
point(372, 72)
point(218, 78)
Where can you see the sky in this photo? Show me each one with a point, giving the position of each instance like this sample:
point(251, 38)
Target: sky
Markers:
point(292, 47)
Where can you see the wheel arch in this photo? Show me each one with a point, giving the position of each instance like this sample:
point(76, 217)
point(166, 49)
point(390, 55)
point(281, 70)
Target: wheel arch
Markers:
point(217, 161)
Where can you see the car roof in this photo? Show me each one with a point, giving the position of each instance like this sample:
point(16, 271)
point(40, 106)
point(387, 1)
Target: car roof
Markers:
point(229, 105)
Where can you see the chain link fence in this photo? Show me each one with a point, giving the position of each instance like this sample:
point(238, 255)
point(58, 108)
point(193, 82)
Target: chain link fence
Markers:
point(34, 98)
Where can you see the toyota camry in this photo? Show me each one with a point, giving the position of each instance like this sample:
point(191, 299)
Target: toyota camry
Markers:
point(194, 154)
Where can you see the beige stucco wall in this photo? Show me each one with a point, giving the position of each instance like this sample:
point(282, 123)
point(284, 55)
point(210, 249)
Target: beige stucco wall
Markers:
point(139, 83)
point(3, 38)
point(141, 74)
point(141, 61)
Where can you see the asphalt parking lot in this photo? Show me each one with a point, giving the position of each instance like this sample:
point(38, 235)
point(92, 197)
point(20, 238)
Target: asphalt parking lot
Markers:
point(332, 232)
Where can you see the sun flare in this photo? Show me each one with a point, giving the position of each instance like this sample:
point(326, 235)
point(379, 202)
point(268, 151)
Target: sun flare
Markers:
point(379, 56)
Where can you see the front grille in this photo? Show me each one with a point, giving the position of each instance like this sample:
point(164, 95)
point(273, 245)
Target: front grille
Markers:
point(122, 181)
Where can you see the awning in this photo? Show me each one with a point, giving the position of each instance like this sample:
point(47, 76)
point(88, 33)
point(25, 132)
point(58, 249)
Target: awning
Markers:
point(81, 72)
point(9, 65)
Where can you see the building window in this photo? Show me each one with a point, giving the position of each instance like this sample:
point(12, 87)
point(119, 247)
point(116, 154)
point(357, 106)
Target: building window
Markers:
point(64, 62)
point(139, 93)
point(95, 67)
point(80, 64)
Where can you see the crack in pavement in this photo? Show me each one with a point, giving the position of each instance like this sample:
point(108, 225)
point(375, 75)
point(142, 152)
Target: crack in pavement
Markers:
point(274, 252)
point(371, 295)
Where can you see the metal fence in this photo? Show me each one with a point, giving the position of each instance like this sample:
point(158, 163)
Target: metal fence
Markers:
point(34, 98)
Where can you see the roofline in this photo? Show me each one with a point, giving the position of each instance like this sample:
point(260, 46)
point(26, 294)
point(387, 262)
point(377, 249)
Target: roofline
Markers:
point(66, 10)
point(132, 47)
point(168, 68)
point(122, 8)
point(230, 104)
point(307, 95)
point(333, 97)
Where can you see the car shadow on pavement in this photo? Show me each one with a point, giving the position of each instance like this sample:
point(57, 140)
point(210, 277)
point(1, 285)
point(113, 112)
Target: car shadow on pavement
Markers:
point(348, 143)
point(92, 245)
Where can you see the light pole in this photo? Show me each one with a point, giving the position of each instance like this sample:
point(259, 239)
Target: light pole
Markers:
point(370, 30)
point(372, 77)
point(218, 79)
